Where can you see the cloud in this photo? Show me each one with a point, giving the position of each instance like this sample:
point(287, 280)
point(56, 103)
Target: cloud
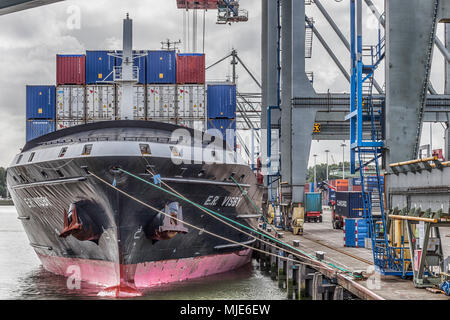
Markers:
point(30, 40)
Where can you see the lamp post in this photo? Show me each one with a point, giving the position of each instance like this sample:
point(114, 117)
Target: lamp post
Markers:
point(315, 177)
point(343, 160)
point(327, 151)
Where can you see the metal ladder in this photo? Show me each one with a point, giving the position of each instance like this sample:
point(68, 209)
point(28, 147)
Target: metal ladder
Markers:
point(426, 80)
point(309, 36)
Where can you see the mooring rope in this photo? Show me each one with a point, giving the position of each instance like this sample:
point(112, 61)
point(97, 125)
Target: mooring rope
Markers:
point(195, 227)
point(311, 257)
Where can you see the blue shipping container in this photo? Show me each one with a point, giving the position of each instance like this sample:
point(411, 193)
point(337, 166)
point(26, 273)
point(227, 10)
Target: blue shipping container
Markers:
point(41, 102)
point(349, 204)
point(222, 101)
point(332, 194)
point(161, 67)
point(356, 181)
point(313, 202)
point(37, 128)
point(99, 67)
point(223, 125)
point(356, 232)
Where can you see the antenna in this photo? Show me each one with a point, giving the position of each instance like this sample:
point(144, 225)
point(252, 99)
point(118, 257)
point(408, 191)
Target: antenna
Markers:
point(170, 45)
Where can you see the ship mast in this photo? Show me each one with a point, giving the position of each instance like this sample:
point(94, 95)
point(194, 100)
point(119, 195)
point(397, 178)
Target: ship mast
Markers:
point(127, 75)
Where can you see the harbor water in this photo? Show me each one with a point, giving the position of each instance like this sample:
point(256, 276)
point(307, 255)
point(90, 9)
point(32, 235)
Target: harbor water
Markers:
point(23, 277)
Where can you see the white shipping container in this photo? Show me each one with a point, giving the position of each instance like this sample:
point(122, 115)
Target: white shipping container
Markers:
point(161, 101)
point(70, 102)
point(191, 101)
point(101, 102)
point(64, 124)
point(138, 102)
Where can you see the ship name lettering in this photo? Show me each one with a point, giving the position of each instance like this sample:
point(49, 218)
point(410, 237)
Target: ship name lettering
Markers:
point(211, 201)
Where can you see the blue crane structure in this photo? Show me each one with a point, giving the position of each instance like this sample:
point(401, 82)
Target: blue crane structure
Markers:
point(367, 143)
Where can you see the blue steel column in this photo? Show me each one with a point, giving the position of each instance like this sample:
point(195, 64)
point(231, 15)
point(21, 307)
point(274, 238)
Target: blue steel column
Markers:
point(359, 64)
point(353, 87)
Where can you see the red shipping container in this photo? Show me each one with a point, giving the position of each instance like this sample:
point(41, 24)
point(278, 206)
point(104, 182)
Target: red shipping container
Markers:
point(197, 4)
point(70, 69)
point(333, 183)
point(342, 188)
point(357, 188)
point(191, 68)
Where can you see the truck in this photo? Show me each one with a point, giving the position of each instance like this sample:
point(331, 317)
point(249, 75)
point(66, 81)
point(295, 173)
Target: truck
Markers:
point(313, 207)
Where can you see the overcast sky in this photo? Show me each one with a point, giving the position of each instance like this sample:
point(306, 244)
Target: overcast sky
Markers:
point(30, 40)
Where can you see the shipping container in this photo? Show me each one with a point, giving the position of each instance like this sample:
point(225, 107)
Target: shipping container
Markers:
point(191, 68)
point(356, 188)
point(100, 102)
point(197, 4)
point(191, 101)
point(64, 124)
point(356, 181)
point(70, 69)
point(349, 204)
point(221, 101)
point(161, 67)
point(227, 128)
point(355, 232)
point(313, 202)
point(40, 102)
point(100, 67)
point(70, 103)
point(37, 128)
point(331, 195)
point(161, 101)
point(223, 125)
point(138, 102)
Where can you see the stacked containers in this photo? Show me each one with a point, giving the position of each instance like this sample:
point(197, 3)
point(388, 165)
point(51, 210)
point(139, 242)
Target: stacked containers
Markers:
point(40, 111)
point(356, 184)
point(100, 103)
point(222, 110)
point(70, 106)
point(355, 232)
point(342, 185)
point(100, 67)
point(372, 183)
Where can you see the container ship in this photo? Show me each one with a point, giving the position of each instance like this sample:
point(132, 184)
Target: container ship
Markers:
point(66, 187)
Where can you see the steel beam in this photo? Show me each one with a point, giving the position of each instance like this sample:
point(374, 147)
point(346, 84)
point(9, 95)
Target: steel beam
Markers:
point(302, 119)
point(10, 6)
point(407, 37)
point(286, 97)
point(340, 35)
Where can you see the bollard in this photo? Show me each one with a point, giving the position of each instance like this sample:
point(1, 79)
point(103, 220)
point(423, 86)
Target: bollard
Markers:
point(281, 271)
point(296, 243)
point(290, 277)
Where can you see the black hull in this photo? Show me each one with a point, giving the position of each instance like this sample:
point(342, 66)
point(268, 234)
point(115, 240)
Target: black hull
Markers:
point(118, 230)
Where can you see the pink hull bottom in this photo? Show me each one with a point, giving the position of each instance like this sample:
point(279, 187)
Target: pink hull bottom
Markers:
point(144, 275)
